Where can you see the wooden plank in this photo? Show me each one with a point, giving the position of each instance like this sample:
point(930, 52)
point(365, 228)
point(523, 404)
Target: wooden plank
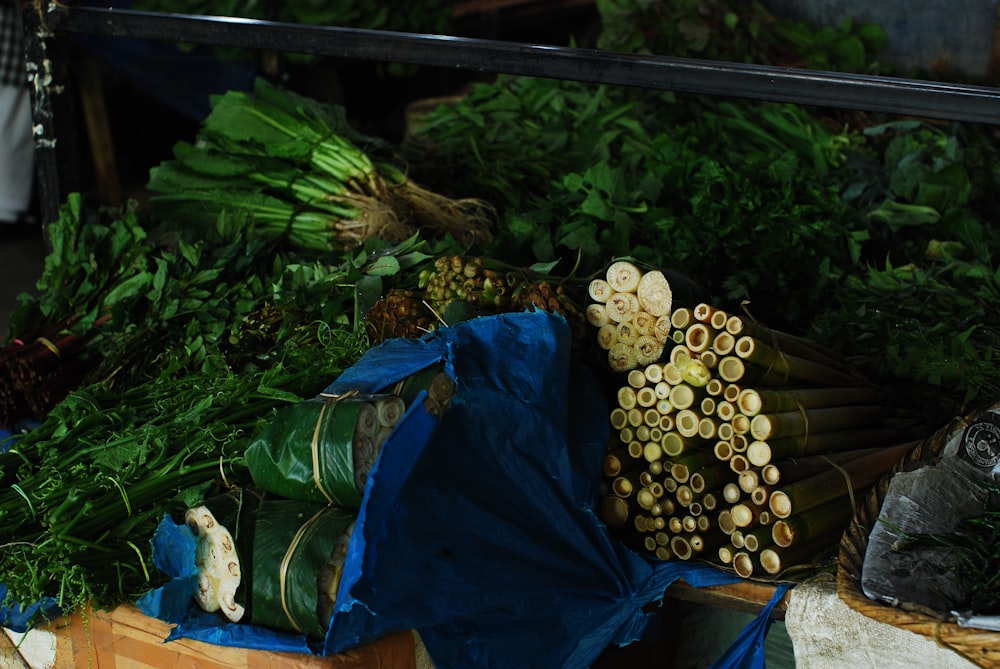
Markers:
point(125, 638)
point(745, 596)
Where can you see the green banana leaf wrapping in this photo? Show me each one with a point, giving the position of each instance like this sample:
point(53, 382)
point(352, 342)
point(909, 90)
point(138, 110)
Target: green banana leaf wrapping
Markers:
point(293, 542)
point(307, 452)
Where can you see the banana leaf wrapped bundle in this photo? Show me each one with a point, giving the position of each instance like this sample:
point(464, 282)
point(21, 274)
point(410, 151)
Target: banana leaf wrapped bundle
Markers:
point(270, 561)
point(322, 449)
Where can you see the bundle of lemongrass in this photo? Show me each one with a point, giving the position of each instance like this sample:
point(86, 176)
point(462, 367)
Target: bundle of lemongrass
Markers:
point(742, 445)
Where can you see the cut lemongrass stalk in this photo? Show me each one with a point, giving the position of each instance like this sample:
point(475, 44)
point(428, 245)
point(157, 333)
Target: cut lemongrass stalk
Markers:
point(646, 396)
point(649, 543)
point(674, 525)
point(682, 465)
point(715, 388)
point(689, 523)
point(724, 410)
point(625, 485)
point(745, 513)
point(655, 433)
point(635, 417)
point(641, 524)
point(599, 290)
point(623, 276)
point(681, 318)
point(775, 560)
point(702, 312)
point(708, 428)
point(739, 463)
point(740, 423)
point(654, 293)
point(670, 485)
point(656, 468)
point(761, 453)
point(680, 548)
point(739, 443)
point(651, 417)
point(652, 451)
point(827, 520)
point(753, 401)
point(723, 451)
point(662, 390)
point(760, 494)
point(696, 510)
point(662, 539)
point(723, 344)
point(645, 498)
point(743, 564)
point(675, 444)
point(724, 520)
point(635, 449)
point(636, 378)
point(704, 523)
point(679, 354)
point(748, 480)
point(718, 320)
point(622, 307)
point(731, 369)
point(656, 488)
point(781, 365)
point(765, 517)
point(820, 488)
point(725, 554)
point(757, 539)
point(663, 553)
point(766, 426)
point(653, 373)
point(645, 478)
point(684, 495)
point(770, 474)
point(663, 404)
point(709, 359)
point(619, 417)
point(794, 469)
point(672, 374)
point(698, 337)
point(619, 461)
point(683, 396)
point(596, 315)
point(709, 501)
point(686, 423)
point(613, 510)
point(709, 478)
point(677, 337)
point(731, 393)
point(666, 421)
point(736, 539)
point(731, 493)
point(792, 344)
point(626, 398)
point(707, 406)
point(607, 336)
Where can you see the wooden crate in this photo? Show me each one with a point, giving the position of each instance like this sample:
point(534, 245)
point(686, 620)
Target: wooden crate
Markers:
point(127, 639)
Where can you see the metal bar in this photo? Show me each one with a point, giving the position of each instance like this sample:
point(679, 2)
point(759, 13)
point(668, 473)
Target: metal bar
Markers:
point(911, 97)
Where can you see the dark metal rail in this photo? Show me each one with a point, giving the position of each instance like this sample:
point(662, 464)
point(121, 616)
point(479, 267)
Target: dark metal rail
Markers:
point(976, 104)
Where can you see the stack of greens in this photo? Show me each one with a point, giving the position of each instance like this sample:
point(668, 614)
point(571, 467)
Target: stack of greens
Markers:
point(291, 167)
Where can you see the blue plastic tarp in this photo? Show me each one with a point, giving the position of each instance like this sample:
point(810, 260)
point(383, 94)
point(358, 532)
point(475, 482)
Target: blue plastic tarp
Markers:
point(478, 528)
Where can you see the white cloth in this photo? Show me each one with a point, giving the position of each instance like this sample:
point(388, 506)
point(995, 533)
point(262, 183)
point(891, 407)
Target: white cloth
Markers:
point(828, 634)
point(16, 152)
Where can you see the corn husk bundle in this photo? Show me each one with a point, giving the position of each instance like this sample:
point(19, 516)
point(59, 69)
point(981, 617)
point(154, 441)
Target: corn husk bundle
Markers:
point(271, 562)
point(631, 309)
point(744, 446)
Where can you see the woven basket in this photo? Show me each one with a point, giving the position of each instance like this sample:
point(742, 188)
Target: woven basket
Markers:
point(978, 646)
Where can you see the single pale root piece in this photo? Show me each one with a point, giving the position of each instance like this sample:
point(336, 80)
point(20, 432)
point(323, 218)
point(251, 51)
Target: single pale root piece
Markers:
point(596, 314)
point(599, 290)
point(607, 336)
point(644, 322)
point(648, 350)
point(622, 307)
point(654, 293)
point(623, 276)
point(218, 565)
point(622, 357)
